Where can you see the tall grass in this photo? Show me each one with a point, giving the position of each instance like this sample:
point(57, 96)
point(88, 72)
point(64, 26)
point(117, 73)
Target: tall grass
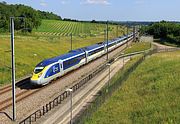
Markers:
point(150, 95)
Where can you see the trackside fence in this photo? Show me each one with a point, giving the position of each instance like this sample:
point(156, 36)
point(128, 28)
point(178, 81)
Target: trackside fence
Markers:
point(103, 95)
point(100, 98)
point(107, 91)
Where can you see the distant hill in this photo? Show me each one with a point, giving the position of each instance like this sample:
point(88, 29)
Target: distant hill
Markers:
point(81, 29)
point(32, 17)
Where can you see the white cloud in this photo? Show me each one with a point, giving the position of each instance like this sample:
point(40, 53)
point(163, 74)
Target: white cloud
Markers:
point(43, 3)
point(100, 2)
point(65, 1)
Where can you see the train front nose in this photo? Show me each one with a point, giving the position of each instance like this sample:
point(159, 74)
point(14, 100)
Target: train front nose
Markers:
point(35, 79)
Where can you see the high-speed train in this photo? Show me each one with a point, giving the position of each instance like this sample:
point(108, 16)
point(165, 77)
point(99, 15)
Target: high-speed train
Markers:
point(49, 69)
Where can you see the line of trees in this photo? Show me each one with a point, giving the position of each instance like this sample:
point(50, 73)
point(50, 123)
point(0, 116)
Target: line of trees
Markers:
point(32, 18)
point(165, 30)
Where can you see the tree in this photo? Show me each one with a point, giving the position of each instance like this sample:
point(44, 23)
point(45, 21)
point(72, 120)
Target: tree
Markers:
point(32, 18)
point(165, 30)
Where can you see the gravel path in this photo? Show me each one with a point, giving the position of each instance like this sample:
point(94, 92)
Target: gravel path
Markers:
point(161, 46)
point(37, 100)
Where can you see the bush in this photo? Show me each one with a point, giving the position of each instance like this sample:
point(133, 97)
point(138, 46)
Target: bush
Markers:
point(174, 39)
point(164, 30)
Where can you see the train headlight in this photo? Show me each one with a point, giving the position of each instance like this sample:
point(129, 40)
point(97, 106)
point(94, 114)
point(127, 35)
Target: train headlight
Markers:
point(39, 75)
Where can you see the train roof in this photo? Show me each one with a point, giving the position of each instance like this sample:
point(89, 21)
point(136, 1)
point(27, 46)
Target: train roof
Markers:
point(76, 52)
point(61, 57)
point(88, 48)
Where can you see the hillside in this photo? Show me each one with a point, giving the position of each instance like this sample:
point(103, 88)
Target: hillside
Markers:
point(150, 95)
point(65, 28)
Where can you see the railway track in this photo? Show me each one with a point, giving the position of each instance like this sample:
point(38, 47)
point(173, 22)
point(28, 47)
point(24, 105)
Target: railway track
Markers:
point(25, 89)
point(18, 84)
point(20, 96)
point(5, 89)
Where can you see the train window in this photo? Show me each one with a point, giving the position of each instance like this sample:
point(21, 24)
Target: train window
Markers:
point(72, 61)
point(37, 70)
point(96, 51)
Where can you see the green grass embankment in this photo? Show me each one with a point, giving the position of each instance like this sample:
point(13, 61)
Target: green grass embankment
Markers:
point(139, 46)
point(150, 95)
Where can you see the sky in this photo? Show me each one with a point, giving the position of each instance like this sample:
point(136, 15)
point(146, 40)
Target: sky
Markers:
point(116, 10)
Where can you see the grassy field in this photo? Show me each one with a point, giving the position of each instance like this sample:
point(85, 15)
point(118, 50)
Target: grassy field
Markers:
point(139, 46)
point(82, 29)
point(29, 51)
point(47, 41)
point(150, 95)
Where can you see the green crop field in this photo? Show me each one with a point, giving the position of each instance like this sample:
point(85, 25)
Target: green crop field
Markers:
point(49, 40)
point(65, 28)
point(150, 95)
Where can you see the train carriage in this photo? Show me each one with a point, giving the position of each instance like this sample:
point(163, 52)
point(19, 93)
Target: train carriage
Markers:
point(94, 51)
